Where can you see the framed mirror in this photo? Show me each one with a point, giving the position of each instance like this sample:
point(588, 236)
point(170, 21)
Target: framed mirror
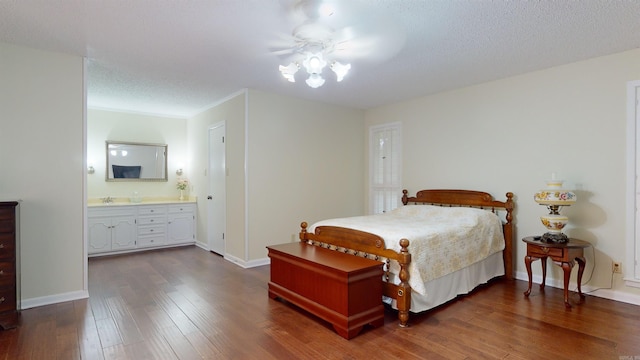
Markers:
point(128, 161)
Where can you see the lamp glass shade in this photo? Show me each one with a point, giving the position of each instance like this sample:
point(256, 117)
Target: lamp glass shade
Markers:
point(315, 81)
point(340, 69)
point(554, 194)
point(289, 71)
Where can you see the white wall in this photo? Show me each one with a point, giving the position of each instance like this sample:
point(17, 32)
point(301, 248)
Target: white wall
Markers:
point(121, 126)
point(41, 157)
point(305, 163)
point(511, 134)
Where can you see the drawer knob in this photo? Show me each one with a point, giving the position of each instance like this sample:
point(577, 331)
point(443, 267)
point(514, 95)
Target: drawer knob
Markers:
point(545, 250)
point(151, 230)
point(151, 220)
point(1, 246)
point(1, 272)
point(2, 299)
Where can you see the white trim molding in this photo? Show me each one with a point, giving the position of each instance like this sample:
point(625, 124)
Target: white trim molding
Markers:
point(53, 299)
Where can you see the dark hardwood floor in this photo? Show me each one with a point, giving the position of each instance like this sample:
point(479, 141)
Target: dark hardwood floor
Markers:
point(187, 303)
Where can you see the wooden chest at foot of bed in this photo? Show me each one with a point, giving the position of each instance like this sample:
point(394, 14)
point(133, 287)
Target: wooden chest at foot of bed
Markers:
point(343, 289)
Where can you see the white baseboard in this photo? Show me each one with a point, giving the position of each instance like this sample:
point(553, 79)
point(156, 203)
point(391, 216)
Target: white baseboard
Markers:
point(586, 289)
point(53, 299)
point(247, 264)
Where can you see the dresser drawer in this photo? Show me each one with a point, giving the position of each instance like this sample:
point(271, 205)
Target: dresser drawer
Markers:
point(7, 246)
point(7, 222)
point(7, 298)
point(7, 274)
point(152, 220)
point(542, 251)
point(152, 210)
point(151, 229)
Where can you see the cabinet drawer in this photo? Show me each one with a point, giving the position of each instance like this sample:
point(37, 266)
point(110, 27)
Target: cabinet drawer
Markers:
point(544, 251)
point(177, 209)
point(151, 240)
point(152, 210)
point(151, 229)
point(152, 220)
point(7, 274)
point(7, 298)
point(111, 211)
point(7, 246)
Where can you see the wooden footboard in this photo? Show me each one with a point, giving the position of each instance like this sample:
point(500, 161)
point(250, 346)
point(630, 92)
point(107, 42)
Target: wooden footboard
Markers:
point(370, 244)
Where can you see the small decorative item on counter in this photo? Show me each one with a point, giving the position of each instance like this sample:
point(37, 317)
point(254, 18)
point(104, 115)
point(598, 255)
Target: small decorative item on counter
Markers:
point(135, 198)
point(182, 185)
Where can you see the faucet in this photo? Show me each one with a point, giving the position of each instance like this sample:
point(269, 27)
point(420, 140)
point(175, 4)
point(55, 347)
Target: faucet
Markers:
point(107, 200)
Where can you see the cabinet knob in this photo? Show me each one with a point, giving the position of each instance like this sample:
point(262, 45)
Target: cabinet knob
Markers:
point(1, 272)
point(151, 220)
point(1, 246)
point(2, 299)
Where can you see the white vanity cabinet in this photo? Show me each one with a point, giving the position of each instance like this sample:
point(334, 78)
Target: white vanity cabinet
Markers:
point(124, 228)
point(111, 229)
point(181, 221)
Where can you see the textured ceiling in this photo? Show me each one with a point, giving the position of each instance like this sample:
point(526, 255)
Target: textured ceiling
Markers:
point(177, 57)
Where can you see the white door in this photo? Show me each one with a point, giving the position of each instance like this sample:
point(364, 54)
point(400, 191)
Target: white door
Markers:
point(216, 216)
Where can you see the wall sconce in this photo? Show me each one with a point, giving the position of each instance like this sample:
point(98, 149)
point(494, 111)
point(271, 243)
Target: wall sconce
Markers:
point(179, 172)
point(90, 170)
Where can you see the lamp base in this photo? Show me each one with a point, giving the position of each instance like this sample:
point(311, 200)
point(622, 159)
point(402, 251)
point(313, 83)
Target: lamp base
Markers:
point(555, 237)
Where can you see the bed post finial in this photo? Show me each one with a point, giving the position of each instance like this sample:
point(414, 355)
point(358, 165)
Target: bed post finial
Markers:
point(303, 231)
point(405, 197)
point(509, 205)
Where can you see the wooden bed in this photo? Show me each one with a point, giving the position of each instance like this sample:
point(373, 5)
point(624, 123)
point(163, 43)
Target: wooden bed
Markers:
point(368, 244)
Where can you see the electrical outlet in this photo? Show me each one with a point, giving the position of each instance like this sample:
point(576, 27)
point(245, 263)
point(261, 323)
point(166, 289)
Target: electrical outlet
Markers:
point(617, 267)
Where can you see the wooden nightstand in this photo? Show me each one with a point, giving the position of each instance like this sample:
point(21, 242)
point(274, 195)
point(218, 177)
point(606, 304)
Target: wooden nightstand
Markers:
point(562, 254)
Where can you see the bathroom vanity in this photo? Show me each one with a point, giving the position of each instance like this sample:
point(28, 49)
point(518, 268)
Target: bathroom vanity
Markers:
point(125, 227)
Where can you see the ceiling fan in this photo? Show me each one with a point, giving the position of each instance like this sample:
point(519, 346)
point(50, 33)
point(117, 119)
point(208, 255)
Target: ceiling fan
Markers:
point(329, 31)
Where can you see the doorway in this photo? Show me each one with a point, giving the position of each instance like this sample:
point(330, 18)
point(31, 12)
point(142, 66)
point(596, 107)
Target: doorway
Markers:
point(216, 199)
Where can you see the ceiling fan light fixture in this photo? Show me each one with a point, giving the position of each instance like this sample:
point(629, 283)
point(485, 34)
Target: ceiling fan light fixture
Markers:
point(289, 71)
point(315, 81)
point(340, 69)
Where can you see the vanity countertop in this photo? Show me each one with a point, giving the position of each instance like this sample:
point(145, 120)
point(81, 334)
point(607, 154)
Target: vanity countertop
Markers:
point(124, 201)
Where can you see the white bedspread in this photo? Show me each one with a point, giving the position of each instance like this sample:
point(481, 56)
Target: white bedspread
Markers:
point(442, 239)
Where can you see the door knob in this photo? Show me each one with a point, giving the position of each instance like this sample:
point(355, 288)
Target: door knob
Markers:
point(210, 197)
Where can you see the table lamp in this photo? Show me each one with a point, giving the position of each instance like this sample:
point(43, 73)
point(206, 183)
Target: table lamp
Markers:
point(554, 197)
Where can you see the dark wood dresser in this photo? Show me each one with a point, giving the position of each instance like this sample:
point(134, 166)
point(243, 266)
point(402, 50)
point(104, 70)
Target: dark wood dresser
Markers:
point(9, 257)
point(343, 289)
